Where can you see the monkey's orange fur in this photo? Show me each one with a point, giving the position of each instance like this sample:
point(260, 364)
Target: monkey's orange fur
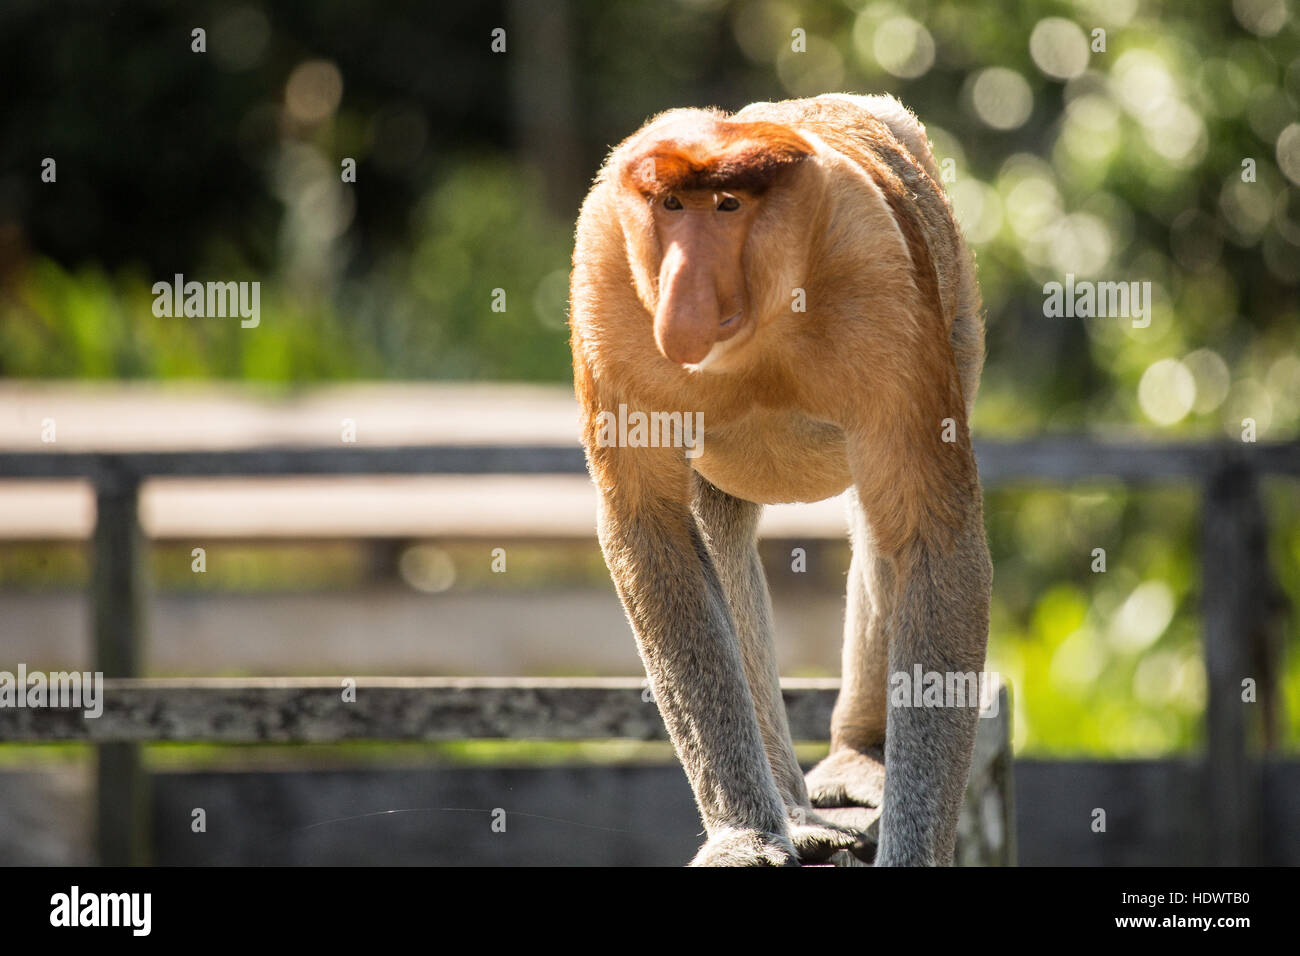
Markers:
point(698, 243)
point(728, 155)
point(866, 232)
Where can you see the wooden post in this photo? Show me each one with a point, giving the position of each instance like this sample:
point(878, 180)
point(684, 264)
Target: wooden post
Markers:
point(117, 599)
point(1230, 513)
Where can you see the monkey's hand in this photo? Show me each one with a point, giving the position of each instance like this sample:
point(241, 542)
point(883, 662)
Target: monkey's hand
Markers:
point(848, 778)
point(817, 838)
point(736, 847)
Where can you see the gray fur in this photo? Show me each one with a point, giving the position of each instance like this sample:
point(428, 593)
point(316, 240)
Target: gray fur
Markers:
point(692, 655)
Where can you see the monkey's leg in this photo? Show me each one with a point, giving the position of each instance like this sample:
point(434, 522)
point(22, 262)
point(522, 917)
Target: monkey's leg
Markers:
point(730, 528)
point(853, 773)
point(692, 655)
point(940, 626)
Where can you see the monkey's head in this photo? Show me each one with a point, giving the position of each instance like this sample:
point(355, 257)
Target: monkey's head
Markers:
point(701, 184)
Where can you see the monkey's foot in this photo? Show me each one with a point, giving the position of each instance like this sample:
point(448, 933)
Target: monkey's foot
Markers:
point(734, 847)
point(864, 821)
point(816, 839)
point(848, 778)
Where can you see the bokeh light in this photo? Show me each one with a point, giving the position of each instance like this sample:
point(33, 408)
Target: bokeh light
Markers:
point(313, 91)
point(240, 38)
point(1142, 618)
point(1167, 391)
point(903, 48)
point(1059, 48)
point(1288, 152)
point(1001, 98)
point(1211, 377)
point(1263, 18)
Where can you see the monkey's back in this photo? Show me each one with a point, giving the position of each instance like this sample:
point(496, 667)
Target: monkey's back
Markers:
point(888, 142)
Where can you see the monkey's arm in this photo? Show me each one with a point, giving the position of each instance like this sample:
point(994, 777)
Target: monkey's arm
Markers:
point(942, 580)
point(687, 640)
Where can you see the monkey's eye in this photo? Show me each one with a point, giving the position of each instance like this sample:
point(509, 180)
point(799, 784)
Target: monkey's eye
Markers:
point(673, 203)
point(729, 204)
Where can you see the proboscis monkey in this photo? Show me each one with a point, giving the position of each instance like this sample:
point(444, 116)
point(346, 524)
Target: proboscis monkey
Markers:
point(793, 274)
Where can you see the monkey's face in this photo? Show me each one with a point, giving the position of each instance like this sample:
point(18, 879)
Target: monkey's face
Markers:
point(693, 187)
point(701, 290)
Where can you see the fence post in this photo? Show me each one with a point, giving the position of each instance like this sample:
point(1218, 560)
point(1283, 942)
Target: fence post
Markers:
point(117, 601)
point(1232, 535)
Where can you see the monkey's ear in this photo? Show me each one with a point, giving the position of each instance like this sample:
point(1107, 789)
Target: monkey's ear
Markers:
point(714, 154)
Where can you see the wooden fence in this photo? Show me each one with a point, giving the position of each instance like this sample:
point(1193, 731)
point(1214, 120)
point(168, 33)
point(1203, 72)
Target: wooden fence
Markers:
point(1235, 579)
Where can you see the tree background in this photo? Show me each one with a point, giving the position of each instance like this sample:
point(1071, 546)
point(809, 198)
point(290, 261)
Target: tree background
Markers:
point(1167, 152)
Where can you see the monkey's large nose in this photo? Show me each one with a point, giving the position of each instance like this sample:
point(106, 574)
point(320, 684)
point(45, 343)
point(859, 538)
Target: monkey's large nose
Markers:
point(689, 320)
point(700, 305)
point(683, 346)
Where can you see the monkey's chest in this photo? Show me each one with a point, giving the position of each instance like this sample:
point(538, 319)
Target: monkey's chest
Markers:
point(774, 458)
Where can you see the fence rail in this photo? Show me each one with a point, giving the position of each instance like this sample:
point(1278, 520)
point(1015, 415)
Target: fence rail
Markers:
point(1236, 585)
point(316, 710)
point(1056, 458)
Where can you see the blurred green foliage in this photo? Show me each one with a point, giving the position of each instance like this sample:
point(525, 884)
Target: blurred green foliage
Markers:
point(1127, 163)
point(1104, 662)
